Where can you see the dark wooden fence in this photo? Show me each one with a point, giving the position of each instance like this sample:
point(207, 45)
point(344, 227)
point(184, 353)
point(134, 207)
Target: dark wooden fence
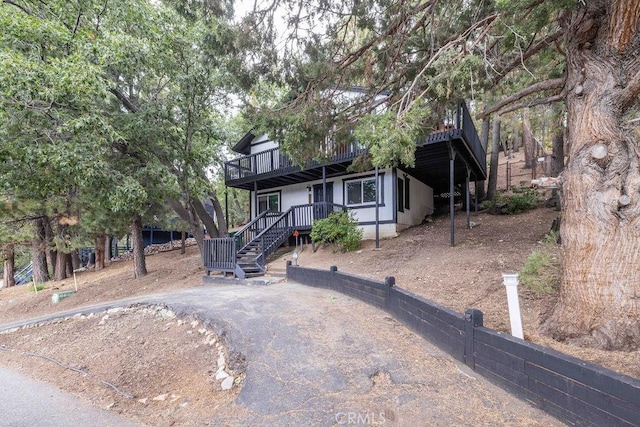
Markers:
point(575, 391)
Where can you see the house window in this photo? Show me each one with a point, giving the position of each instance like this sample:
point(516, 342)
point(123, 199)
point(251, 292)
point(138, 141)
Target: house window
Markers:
point(361, 191)
point(400, 195)
point(269, 201)
point(406, 192)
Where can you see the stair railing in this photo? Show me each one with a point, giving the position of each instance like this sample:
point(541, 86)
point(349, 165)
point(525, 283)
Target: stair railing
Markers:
point(274, 235)
point(252, 228)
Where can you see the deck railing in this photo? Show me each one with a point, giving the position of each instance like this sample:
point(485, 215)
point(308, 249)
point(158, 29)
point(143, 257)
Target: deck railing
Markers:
point(219, 254)
point(304, 215)
point(273, 161)
point(247, 233)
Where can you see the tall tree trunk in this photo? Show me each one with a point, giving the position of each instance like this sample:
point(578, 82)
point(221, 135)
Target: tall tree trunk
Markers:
point(75, 260)
point(600, 229)
point(107, 251)
point(60, 272)
point(223, 230)
point(38, 248)
point(528, 141)
point(99, 249)
point(139, 262)
point(8, 258)
point(557, 163)
point(204, 217)
point(69, 265)
point(183, 242)
point(49, 252)
point(493, 166)
point(484, 140)
point(189, 215)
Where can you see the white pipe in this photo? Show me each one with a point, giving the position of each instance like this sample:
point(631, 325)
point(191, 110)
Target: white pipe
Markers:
point(511, 283)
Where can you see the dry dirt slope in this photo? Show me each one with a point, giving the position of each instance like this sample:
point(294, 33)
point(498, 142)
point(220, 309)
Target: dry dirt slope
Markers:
point(467, 275)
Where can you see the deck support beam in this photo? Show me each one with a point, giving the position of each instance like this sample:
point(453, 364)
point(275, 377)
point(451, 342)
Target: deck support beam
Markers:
point(255, 198)
point(468, 201)
point(452, 218)
point(377, 209)
point(226, 207)
point(324, 184)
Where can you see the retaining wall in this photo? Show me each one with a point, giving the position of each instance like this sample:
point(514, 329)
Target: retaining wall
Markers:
point(575, 391)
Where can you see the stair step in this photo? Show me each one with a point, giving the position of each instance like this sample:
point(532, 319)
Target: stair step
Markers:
point(254, 274)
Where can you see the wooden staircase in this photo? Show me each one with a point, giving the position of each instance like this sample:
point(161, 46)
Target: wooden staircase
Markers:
point(245, 253)
point(248, 260)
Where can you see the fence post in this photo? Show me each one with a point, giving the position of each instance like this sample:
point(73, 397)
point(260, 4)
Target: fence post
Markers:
point(390, 281)
point(472, 319)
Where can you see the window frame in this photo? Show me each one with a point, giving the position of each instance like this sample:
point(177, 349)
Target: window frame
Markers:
point(361, 179)
point(273, 193)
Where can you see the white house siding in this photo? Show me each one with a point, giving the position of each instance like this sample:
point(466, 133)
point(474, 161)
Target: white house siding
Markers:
point(420, 203)
point(420, 198)
point(366, 215)
point(266, 162)
point(262, 143)
point(302, 193)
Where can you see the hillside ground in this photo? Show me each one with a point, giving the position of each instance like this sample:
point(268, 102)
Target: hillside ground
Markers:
point(467, 275)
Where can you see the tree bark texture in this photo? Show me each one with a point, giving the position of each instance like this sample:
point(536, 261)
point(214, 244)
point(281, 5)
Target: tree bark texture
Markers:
point(75, 260)
point(139, 262)
point(493, 164)
point(50, 253)
point(107, 251)
point(557, 165)
point(38, 248)
point(60, 272)
point(8, 258)
point(528, 141)
point(223, 230)
point(600, 289)
point(189, 215)
point(99, 251)
point(484, 140)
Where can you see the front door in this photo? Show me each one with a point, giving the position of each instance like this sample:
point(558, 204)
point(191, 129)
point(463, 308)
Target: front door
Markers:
point(321, 210)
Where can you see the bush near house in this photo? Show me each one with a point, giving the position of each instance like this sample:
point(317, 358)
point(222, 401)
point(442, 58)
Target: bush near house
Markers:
point(517, 200)
point(339, 230)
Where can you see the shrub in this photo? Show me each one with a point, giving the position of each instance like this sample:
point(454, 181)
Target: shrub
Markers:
point(339, 230)
point(518, 200)
point(541, 271)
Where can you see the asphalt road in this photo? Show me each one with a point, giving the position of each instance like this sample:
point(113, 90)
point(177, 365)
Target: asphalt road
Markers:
point(26, 402)
point(312, 357)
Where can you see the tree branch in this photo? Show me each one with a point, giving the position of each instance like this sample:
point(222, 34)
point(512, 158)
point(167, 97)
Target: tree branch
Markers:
point(549, 100)
point(125, 101)
point(178, 209)
point(22, 8)
point(537, 87)
point(532, 50)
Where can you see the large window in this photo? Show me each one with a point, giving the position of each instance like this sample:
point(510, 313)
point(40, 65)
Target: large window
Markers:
point(269, 201)
point(361, 191)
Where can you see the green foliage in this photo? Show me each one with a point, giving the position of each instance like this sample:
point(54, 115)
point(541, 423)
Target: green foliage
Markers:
point(391, 139)
point(33, 287)
point(339, 230)
point(71, 147)
point(518, 200)
point(542, 270)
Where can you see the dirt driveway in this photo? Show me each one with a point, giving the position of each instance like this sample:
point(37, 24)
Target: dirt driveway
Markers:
point(305, 356)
